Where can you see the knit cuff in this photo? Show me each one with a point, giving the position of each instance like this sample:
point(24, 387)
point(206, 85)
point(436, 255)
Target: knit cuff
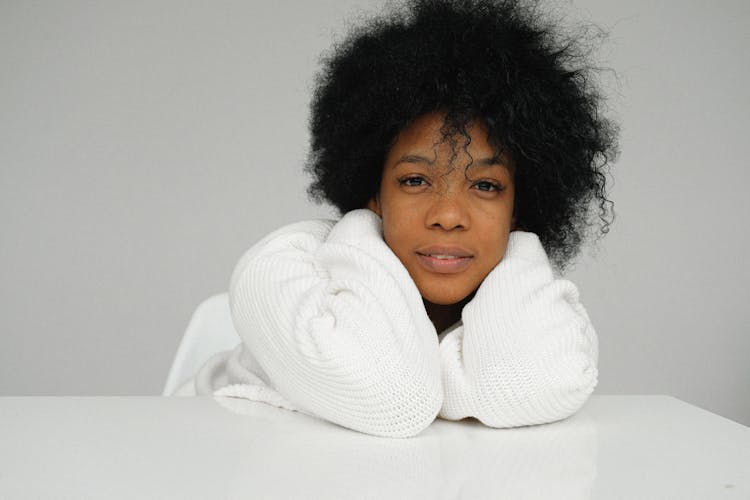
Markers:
point(358, 228)
point(508, 293)
point(527, 246)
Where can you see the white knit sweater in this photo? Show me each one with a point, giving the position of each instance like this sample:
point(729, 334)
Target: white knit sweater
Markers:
point(333, 326)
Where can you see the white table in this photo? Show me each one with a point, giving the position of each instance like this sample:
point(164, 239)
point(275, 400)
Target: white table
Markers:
point(617, 447)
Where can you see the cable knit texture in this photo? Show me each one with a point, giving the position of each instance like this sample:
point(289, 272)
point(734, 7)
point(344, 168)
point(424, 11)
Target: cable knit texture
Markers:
point(333, 326)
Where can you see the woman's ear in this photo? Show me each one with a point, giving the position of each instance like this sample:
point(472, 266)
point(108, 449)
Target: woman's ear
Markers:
point(374, 205)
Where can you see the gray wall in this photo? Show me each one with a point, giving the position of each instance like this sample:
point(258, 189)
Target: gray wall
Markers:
point(145, 145)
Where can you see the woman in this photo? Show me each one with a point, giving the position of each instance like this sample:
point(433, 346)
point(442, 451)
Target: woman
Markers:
point(462, 144)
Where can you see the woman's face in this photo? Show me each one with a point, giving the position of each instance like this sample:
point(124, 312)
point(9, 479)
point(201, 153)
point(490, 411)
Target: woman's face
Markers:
point(448, 225)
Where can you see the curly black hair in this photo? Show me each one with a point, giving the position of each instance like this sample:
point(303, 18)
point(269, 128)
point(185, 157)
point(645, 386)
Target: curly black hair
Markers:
point(495, 61)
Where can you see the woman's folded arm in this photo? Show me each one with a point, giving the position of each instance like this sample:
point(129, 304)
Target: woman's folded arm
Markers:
point(527, 352)
point(338, 326)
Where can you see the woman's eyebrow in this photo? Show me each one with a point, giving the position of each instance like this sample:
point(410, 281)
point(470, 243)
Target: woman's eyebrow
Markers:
point(489, 161)
point(415, 159)
point(493, 161)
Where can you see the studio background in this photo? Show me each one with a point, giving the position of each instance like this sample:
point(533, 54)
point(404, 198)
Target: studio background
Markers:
point(144, 146)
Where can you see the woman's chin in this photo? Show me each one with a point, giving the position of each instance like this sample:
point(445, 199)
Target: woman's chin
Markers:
point(446, 298)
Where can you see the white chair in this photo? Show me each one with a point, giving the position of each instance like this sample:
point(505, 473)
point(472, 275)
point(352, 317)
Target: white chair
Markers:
point(210, 331)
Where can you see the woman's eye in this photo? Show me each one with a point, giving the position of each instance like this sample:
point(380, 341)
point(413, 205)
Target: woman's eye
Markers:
point(413, 181)
point(487, 186)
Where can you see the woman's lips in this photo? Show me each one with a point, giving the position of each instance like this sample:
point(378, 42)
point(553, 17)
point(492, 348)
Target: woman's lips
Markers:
point(445, 262)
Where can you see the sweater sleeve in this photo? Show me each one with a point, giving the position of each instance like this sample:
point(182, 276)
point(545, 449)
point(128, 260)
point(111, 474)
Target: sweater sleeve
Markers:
point(526, 352)
point(337, 324)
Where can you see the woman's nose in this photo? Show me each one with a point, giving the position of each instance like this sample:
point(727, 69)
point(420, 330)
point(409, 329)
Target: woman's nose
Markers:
point(447, 212)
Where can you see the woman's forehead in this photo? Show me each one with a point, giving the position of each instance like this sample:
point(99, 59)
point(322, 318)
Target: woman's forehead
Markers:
point(427, 142)
point(433, 132)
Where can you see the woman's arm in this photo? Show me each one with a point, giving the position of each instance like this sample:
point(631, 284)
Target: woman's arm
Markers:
point(527, 352)
point(338, 326)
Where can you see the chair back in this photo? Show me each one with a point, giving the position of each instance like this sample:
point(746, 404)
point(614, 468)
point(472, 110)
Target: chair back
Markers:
point(210, 331)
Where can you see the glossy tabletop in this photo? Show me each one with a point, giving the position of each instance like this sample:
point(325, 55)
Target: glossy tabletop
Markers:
point(617, 447)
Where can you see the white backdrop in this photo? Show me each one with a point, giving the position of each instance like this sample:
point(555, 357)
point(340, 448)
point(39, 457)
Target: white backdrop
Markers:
point(145, 145)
